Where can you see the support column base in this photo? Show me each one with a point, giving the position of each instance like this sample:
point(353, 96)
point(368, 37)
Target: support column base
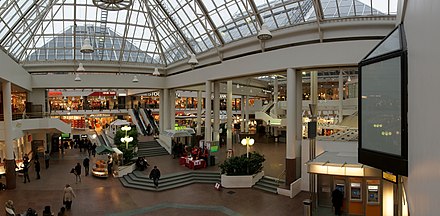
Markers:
point(290, 171)
point(10, 174)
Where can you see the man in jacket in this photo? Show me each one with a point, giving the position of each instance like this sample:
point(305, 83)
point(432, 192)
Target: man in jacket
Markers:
point(155, 175)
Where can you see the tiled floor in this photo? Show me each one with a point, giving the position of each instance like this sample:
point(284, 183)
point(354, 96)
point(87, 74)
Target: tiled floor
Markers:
point(108, 197)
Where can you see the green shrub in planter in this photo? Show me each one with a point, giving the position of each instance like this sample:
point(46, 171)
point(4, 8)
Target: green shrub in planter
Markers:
point(241, 165)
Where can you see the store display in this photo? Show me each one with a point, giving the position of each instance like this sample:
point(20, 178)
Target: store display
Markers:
point(100, 169)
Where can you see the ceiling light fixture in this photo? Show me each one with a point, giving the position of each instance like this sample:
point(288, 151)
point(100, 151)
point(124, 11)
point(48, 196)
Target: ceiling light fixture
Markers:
point(193, 60)
point(156, 72)
point(135, 79)
point(77, 78)
point(264, 33)
point(113, 5)
point(349, 79)
point(81, 68)
point(86, 47)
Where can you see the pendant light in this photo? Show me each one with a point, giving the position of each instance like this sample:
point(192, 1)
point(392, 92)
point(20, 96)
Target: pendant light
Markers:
point(86, 47)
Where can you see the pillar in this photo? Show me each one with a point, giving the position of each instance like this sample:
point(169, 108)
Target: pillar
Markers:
point(172, 112)
point(246, 108)
point(341, 96)
point(165, 101)
point(208, 136)
point(216, 126)
point(243, 114)
point(161, 111)
point(199, 113)
point(229, 114)
point(9, 144)
point(293, 110)
point(275, 97)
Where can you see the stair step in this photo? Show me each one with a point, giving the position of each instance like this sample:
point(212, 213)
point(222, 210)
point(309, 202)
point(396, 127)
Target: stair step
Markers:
point(266, 189)
point(141, 181)
point(265, 184)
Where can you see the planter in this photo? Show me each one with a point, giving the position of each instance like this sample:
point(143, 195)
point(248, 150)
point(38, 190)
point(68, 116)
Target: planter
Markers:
point(245, 181)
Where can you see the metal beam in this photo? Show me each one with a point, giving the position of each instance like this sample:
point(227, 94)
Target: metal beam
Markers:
point(155, 32)
point(211, 23)
point(18, 20)
point(175, 26)
point(256, 12)
point(40, 20)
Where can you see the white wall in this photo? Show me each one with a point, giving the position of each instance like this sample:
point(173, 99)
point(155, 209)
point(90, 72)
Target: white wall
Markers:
point(423, 33)
point(37, 97)
point(13, 72)
point(322, 54)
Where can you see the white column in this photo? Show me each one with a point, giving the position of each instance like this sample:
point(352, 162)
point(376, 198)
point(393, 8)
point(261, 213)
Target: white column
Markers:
point(291, 114)
point(199, 112)
point(165, 99)
point(172, 108)
point(341, 96)
point(208, 136)
point(246, 124)
point(7, 113)
point(275, 97)
point(161, 110)
point(314, 88)
point(243, 113)
point(216, 111)
point(9, 144)
point(229, 114)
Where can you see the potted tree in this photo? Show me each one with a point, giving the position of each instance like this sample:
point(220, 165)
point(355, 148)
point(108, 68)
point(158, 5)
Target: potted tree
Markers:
point(242, 171)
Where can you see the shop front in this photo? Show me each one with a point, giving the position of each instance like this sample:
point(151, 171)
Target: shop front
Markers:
point(364, 190)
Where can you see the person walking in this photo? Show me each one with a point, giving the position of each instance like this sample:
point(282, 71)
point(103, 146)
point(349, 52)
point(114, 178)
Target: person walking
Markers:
point(94, 149)
point(46, 159)
point(77, 172)
point(37, 168)
point(26, 166)
point(86, 164)
point(155, 175)
point(148, 129)
point(68, 196)
point(110, 166)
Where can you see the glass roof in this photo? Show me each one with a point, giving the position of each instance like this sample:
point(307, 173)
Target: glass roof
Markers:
point(158, 32)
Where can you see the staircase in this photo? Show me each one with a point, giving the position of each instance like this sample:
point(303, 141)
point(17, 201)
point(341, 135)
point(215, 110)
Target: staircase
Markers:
point(268, 184)
point(139, 180)
point(151, 149)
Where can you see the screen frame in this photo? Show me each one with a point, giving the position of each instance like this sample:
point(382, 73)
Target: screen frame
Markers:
point(388, 162)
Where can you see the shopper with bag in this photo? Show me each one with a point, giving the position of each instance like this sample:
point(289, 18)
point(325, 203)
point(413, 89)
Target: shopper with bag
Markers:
point(68, 196)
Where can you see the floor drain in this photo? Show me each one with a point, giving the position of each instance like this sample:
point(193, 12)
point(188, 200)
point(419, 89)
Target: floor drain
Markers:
point(231, 192)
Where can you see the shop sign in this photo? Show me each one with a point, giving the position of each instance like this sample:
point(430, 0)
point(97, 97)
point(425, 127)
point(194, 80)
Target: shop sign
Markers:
point(55, 93)
point(389, 176)
point(106, 93)
point(153, 94)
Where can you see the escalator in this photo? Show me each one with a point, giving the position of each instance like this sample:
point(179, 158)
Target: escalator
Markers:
point(140, 122)
point(151, 120)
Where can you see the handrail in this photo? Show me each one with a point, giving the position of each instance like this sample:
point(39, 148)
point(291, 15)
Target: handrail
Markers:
point(279, 177)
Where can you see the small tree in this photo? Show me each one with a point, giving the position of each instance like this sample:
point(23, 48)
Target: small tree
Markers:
point(128, 152)
point(241, 165)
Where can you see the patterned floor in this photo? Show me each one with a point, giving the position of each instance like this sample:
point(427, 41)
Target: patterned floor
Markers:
point(95, 196)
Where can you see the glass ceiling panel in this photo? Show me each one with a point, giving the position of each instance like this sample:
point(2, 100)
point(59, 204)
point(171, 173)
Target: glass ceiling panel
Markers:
point(158, 32)
point(231, 18)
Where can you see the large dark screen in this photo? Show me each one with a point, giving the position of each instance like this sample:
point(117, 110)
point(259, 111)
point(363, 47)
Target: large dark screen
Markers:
point(381, 105)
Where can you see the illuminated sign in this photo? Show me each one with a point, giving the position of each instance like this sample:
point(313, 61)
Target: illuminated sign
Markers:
point(389, 176)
